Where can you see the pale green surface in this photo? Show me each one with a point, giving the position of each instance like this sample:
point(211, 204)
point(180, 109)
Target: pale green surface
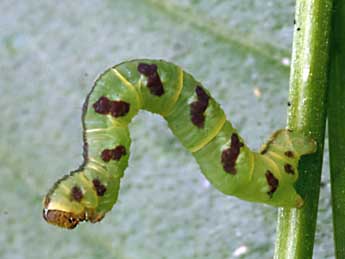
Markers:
point(308, 94)
point(50, 53)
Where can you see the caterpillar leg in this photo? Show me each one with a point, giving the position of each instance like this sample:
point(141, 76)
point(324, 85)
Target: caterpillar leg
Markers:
point(267, 176)
point(292, 144)
point(285, 148)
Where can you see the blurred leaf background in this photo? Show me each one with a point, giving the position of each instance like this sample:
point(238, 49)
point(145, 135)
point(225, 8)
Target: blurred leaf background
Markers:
point(50, 54)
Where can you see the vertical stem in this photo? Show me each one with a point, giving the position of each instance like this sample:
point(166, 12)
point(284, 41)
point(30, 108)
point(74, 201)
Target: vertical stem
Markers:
point(336, 125)
point(307, 113)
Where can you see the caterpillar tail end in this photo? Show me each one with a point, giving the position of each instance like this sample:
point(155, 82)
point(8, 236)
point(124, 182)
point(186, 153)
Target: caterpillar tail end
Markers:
point(303, 144)
point(285, 148)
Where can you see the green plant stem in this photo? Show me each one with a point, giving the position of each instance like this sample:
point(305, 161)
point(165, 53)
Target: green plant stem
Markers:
point(307, 113)
point(336, 125)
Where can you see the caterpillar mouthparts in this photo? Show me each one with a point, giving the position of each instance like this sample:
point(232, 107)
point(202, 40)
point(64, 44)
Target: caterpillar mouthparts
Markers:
point(67, 219)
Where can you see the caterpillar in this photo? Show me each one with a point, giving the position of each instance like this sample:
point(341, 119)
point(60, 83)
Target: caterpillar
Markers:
point(195, 118)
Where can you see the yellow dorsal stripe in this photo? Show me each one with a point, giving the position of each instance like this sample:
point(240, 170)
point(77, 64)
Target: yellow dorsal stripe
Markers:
point(273, 164)
point(291, 144)
point(129, 85)
point(116, 123)
point(276, 155)
point(209, 137)
point(252, 161)
point(177, 94)
point(85, 180)
point(94, 161)
point(93, 166)
point(98, 130)
point(64, 187)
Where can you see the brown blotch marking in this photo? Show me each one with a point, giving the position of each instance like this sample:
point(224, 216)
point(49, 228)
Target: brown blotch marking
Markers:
point(289, 169)
point(154, 82)
point(106, 155)
point(198, 107)
point(115, 108)
point(119, 108)
point(229, 156)
point(198, 120)
point(289, 154)
point(155, 85)
point(202, 95)
point(147, 69)
point(76, 193)
point(272, 182)
point(100, 188)
point(113, 154)
point(102, 106)
point(118, 152)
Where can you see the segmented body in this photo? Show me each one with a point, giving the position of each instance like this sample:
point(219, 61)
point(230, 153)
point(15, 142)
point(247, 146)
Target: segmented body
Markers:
point(195, 118)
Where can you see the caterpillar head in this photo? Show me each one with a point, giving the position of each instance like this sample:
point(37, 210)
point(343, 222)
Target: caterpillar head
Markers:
point(70, 201)
point(55, 214)
point(63, 218)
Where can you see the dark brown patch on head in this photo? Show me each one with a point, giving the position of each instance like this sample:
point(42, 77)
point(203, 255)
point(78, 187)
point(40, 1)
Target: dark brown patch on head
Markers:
point(198, 107)
point(99, 187)
point(76, 193)
point(113, 154)
point(154, 82)
point(115, 108)
point(62, 218)
point(289, 104)
point(289, 154)
point(289, 169)
point(272, 182)
point(229, 156)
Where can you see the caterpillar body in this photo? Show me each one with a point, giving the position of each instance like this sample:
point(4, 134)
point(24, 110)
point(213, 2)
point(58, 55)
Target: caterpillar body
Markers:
point(195, 118)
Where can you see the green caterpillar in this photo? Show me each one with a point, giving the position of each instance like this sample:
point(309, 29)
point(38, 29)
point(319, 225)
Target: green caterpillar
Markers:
point(195, 118)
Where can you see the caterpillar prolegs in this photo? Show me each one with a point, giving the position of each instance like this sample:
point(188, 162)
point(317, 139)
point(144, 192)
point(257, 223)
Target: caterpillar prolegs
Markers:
point(195, 118)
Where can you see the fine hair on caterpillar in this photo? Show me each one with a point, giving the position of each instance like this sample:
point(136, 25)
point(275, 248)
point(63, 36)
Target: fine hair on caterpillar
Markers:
point(195, 118)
